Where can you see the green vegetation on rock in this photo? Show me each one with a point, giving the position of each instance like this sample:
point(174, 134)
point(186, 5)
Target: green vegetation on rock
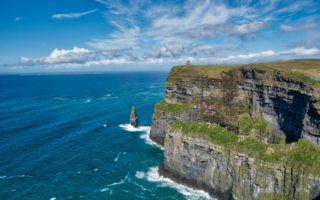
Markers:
point(175, 108)
point(247, 124)
point(304, 70)
point(302, 155)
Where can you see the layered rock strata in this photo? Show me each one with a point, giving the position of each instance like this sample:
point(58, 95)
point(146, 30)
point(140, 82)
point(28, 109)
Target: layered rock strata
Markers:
point(273, 103)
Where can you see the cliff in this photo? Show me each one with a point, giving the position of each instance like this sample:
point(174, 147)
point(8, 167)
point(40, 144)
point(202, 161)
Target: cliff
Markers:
point(269, 111)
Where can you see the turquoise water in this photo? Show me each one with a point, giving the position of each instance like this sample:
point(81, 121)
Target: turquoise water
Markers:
point(67, 137)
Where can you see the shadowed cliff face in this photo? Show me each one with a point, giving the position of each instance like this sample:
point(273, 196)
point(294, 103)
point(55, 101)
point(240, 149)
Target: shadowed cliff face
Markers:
point(286, 104)
point(291, 115)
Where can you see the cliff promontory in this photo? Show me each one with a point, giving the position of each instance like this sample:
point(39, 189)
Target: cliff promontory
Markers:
point(243, 132)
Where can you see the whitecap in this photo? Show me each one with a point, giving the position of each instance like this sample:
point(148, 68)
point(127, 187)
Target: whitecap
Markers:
point(140, 174)
point(104, 125)
point(53, 198)
point(190, 193)
point(112, 184)
point(104, 189)
point(2, 177)
point(145, 136)
point(130, 128)
point(147, 139)
point(59, 98)
point(117, 158)
point(117, 183)
point(95, 169)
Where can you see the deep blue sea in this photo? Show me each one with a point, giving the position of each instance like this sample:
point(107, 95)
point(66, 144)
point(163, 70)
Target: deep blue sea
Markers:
point(67, 137)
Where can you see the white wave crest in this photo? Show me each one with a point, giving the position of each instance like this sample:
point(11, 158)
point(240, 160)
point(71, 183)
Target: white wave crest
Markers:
point(140, 174)
point(130, 128)
point(113, 184)
point(147, 139)
point(145, 136)
point(117, 158)
point(190, 193)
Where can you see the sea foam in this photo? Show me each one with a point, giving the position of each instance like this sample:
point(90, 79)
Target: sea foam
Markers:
point(145, 136)
point(153, 175)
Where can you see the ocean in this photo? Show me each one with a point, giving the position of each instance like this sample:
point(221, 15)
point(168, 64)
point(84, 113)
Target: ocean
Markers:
point(68, 137)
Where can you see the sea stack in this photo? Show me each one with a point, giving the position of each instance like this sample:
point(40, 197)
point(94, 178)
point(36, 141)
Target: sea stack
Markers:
point(133, 117)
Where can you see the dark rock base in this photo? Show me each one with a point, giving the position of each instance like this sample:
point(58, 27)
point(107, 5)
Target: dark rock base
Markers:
point(190, 183)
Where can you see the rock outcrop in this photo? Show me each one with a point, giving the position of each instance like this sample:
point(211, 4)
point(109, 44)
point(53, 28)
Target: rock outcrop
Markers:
point(133, 117)
point(275, 104)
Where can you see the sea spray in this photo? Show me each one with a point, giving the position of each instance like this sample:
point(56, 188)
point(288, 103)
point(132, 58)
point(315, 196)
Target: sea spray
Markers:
point(145, 136)
point(153, 175)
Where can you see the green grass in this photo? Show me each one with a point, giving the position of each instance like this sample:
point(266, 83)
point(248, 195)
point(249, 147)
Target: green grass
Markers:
point(301, 155)
point(214, 133)
point(304, 70)
point(247, 124)
point(175, 108)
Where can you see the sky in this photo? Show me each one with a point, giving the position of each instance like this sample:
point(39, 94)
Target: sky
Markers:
point(109, 35)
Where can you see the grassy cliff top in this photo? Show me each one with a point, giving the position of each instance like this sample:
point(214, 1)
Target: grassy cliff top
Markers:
point(301, 155)
point(305, 70)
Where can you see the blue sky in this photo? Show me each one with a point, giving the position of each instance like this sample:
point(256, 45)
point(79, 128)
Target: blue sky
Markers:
point(104, 35)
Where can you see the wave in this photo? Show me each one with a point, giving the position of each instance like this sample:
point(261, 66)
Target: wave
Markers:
point(147, 139)
point(145, 136)
point(60, 98)
point(113, 184)
point(130, 128)
point(153, 175)
point(12, 177)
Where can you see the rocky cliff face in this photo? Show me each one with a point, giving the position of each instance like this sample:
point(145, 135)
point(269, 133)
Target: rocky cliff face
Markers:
point(233, 174)
point(290, 106)
point(272, 103)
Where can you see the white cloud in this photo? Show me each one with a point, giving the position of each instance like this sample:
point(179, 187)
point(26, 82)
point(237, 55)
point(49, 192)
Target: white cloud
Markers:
point(72, 15)
point(202, 54)
point(250, 27)
point(79, 57)
point(61, 56)
point(118, 40)
point(289, 28)
point(301, 51)
point(203, 31)
point(285, 27)
point(183, 50)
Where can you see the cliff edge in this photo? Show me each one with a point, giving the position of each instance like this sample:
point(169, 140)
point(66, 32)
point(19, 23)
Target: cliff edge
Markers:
point(247, 132)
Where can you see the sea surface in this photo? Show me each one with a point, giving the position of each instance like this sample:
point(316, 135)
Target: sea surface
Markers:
point(68, 137)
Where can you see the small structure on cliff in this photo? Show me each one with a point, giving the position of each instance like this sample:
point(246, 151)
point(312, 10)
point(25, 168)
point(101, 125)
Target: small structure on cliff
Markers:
point(133, 117)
